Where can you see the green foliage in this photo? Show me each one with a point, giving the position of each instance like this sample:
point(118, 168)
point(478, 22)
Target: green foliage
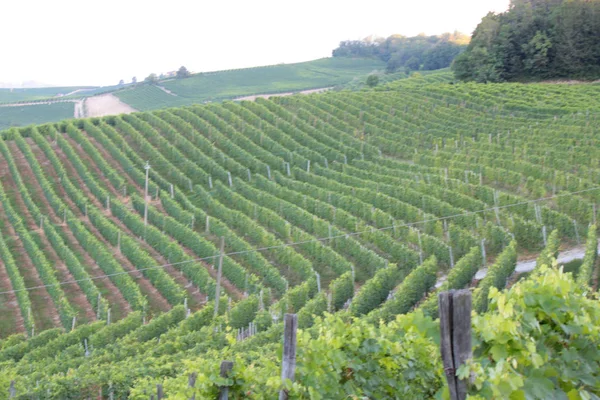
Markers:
point(182, 72)
point(539, 340)
point(459, 276)
point(243, 313)
point(372, 80)
point(434, 52)
point(342, 289)
point(550, 252)
point(34, 114)
point(152, 78)
point(376, 290)
point(229, 84)
point(588, 267)
point(409, 293)
point(534, 40)
point(496, 277)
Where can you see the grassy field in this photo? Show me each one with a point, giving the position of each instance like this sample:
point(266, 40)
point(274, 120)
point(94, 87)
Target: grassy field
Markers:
point(34, 114)
point(220, 85)
point(32, 94)
point(352, 202)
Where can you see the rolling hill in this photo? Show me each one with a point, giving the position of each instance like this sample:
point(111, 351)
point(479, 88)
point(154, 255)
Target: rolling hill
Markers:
point(355, 203)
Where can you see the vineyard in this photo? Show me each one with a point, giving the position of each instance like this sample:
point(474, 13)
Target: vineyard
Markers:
point(145, 248)
point(34, 114)
point(229, 84)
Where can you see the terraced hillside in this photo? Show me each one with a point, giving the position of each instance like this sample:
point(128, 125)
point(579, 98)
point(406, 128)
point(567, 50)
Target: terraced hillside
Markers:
point(338, 201)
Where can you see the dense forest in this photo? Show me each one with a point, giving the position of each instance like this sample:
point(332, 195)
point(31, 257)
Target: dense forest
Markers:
point(411, 53)
point(533, 40)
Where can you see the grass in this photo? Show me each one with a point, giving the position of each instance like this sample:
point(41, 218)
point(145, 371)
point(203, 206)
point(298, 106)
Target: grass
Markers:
point(220, 85)
point(34, 114)
point(30, 94)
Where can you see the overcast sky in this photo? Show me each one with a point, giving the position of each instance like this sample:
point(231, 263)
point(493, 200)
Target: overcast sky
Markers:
point(91, 42)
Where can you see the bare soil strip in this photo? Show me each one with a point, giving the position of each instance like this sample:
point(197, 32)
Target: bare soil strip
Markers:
point(194, 297)
point(231, 289)
point(73, 292)
point(45, 315)
point(119, 306)
point(156, 300)
point(268, 95)
point(106, 104)
point(11, 320)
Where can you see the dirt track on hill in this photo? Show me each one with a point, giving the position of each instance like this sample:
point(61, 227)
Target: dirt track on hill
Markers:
point(267, 95)
point(106, 104)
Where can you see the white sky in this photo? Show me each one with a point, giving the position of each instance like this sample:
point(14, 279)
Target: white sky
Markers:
point(98, 42)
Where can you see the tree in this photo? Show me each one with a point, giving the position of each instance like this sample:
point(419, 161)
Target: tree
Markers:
point(535, 39)
point(182, 72)
point(372, 80)
point(152, 78)
point(121, 82)
point(134, 80)
point(413, 63)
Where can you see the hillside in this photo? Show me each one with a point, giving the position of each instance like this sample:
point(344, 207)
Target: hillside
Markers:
point(198, 88)
point(352, 202)
point(220, 85)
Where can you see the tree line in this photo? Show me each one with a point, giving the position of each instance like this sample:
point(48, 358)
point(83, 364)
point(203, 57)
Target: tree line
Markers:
point(533, 40)
point(419, 52)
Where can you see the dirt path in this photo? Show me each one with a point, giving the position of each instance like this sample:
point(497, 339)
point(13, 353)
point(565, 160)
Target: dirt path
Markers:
point(73, 292)
point(120, 306)
point(167, 91)
point(268, 95)
point(106, 104)
point(564, 257)
point(78, 111)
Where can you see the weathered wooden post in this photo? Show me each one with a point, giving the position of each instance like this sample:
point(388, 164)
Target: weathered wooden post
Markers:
point(226, 367)
point(192, 382)
point(12, 392)
point(218, 286)
point(159, 391)
point(455, 337)
point(288, 365)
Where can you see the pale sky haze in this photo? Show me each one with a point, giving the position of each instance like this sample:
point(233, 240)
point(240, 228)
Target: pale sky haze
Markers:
point(91, 42)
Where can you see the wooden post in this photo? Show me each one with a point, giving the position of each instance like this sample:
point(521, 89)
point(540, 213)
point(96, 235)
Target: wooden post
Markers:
point(172, 194)
point(226, 367)
point(218, 287)
point(147, 168)
point(455, 337)
point(12, 392)
point(192, 382)
point(98, 304)
point(159, 391)
point(288, 364)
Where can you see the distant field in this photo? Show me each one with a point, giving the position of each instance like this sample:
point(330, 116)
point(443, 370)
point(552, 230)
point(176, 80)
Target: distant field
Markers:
point(30, 94)
point(229, 84)
point(34, 114)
